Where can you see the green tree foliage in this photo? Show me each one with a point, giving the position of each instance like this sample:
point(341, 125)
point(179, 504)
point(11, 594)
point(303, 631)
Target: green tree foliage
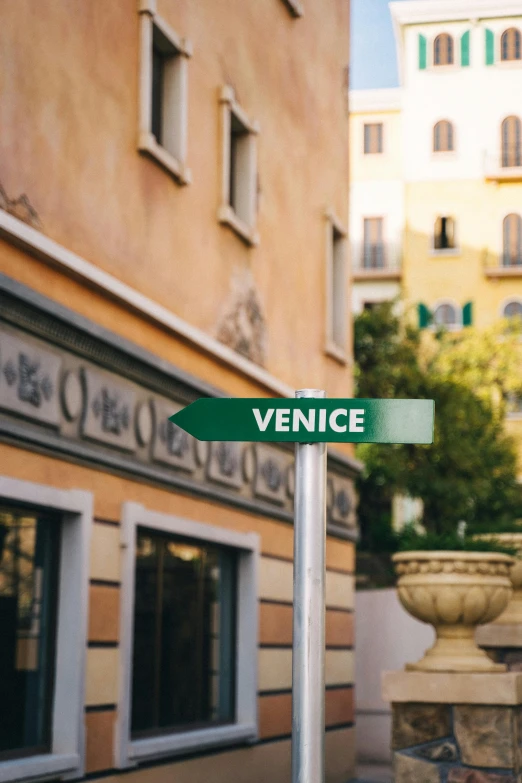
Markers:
point(469, 473)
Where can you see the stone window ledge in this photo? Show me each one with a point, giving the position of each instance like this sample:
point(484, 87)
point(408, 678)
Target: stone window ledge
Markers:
point(148, 145)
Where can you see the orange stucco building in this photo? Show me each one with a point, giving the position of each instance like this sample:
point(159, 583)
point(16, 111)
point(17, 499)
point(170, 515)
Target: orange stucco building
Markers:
point(173, 196)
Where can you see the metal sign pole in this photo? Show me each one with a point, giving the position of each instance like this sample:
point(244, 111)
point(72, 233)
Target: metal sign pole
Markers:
point(309, 609)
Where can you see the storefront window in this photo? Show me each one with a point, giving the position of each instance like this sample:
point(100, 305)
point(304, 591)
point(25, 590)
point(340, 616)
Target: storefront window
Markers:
point(29, 544)
point(184, 635)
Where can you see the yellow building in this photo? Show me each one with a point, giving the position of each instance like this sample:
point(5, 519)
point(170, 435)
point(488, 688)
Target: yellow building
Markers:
point(453, 131)
point(172, 225)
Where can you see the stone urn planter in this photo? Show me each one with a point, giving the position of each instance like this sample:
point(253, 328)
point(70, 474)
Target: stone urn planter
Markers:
point(512, 614)
point(454, 592)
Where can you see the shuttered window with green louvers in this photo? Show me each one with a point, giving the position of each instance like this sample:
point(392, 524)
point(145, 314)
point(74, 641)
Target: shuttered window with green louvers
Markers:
point(464, 49)
point(423, 52)
point(490, 47)
point(467, 314)
point(424, 316)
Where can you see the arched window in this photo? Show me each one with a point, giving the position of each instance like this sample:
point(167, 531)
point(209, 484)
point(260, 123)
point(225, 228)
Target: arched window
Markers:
point(443, 50)
point(511, 142)
point(443, 137)
point(513, 309)
point(512, 255)
point(511, 45)
point(445, 315)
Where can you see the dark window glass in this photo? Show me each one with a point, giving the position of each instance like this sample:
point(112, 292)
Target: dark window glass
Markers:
point(444, 238)
point(238, 164)
point(445, 315)
point(184, 634)
point(510, 45)
point(513, 310)
point(373, 133)
point(443, 50)
point(29, 550)
point(512, 230)
point(511, 142)
point(443, 137)
point(158, 76)
point(373, 248)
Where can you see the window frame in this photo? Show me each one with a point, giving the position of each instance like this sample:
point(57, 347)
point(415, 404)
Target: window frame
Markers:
point(379, 125)
point(504, 33)
point(511, 151)
point(518, 238)
point(336, 233)
point(246, 229)
point(510, 300)
point(130, 752)
point(457, 326)
point(173, 164)
point(451, 50)
point(444, 251)
point(67, 756)
point(451, 135)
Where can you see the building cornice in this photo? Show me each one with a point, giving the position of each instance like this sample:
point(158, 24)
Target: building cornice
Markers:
point(38, 245)
point(423, 11)
point(375, 100)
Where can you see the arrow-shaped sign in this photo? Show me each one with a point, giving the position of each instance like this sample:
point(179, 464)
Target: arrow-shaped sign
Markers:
point(309, 420)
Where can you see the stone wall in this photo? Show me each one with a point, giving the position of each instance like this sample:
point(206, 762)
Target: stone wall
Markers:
point(456, 728)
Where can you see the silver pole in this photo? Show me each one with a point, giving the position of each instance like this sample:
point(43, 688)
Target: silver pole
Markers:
point(309, 603)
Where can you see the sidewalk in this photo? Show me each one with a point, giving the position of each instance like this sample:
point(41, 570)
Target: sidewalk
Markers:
point(370, 773)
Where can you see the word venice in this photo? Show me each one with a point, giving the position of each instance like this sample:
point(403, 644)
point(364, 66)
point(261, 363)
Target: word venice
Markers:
point(310, 421)
point(307, 420)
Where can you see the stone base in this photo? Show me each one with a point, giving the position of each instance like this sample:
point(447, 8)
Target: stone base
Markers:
point(499, 635)
point(455, 728)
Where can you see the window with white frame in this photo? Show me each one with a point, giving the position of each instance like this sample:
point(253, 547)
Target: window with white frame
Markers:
point(44, 573)
point(189, 636)
point(512, 309)
point(336, 288)
point(239, 169)
point(163, 99)
point(444, 234)
point(447, 315)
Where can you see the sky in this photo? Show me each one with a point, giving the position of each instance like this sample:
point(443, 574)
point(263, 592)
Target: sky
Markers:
point(373, 60)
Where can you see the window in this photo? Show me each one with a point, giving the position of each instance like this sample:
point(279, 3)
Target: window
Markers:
point(511, 142)
point(512, 240)
point(443, 137)
point(44, 573)
point(513, 309)
point(510, 45)
point(239, 185)
point(185, 599)
point(189, 635)
point(373, 247)
point(163, 101)
point(446, 315)
point(444, 238)
point(373, 138)
point(336, 287)
point(29, 544)
point(443, 50)
point(295, 7)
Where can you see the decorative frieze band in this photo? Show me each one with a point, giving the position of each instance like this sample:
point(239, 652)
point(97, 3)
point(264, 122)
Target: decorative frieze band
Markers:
point(48, 386)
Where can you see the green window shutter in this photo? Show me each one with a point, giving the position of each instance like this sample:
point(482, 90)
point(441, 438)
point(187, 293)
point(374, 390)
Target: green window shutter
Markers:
point(423, 52)
point(467, 314)
point(424, 316)
point(464, 49)
point(490, 47)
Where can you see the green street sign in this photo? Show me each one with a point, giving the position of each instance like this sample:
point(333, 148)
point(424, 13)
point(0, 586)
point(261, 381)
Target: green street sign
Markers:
point(309, 420)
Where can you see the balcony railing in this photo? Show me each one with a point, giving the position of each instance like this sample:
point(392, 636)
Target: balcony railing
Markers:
point(505, 165)
point(502, 264)
point(379, 261)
